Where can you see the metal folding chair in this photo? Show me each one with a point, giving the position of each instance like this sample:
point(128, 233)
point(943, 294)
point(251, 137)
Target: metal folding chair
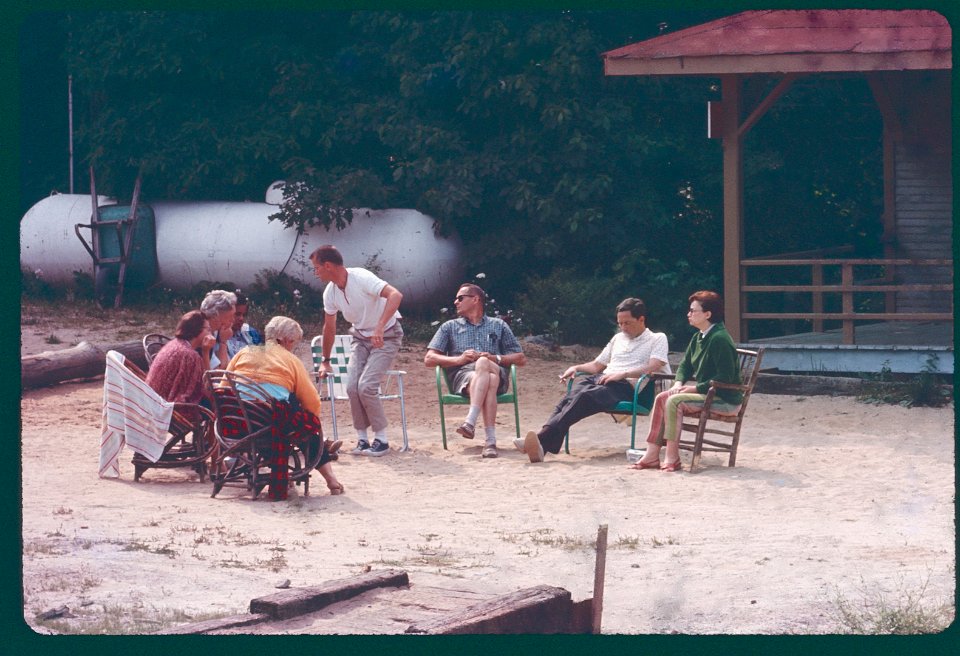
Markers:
point(335, 389)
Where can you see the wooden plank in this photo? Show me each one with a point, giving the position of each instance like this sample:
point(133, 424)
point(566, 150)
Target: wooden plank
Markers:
point(540, 609)
point(297, 601)
point(855, 262)
point(599, 572)
point(865, 316)
point(231, 622)
point(909, 287)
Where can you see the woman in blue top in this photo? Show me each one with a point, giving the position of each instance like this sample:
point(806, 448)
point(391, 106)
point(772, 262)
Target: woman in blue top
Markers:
point(711, 355)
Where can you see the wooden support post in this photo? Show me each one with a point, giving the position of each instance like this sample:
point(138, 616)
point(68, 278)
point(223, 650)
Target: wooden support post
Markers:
point(846, 281)
point(816, 279)
point(732, 204)
point(598, 578)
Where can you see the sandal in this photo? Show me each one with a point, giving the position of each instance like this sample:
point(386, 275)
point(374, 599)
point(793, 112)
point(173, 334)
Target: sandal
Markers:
point(645, 465)
point(338, 489)
point(672, 467)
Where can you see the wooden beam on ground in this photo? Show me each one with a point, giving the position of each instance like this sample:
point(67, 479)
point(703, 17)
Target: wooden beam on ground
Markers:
point(297, 601)
point(540, 609)
point(81, 361)
point(219, 624)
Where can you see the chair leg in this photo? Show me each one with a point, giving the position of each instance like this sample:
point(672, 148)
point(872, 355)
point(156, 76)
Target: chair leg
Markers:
point(403, 414)
point(443, 427)
point(333, 415)
point(566, 443)
point(516, 412)
point(698, 443)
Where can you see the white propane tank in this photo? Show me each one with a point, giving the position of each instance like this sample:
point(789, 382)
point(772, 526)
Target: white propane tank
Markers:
point(228, 241)
point(48, 241)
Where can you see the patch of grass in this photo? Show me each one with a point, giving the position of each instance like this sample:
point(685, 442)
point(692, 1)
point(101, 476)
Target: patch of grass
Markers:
point(137, 545)
point(657, 542)
point(36, 547)
point(902, 612)
point(115, 619)
point(276, 562)
point(52, 339)
point(627, 542)
point(566, 542)
point(63, 511)
point(923, 389)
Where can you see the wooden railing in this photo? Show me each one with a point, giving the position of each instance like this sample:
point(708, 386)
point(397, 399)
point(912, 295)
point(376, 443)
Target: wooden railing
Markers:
point(848, 286)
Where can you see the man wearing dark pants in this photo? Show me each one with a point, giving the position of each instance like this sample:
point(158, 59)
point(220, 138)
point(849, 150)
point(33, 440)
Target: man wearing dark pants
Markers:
point(634, 351)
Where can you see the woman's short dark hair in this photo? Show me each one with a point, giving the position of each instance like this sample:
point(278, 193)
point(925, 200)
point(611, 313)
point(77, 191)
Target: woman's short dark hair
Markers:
point(710, 302)
point(241, 299)
point(327, 253)
point(190, 325)
point(636, 307)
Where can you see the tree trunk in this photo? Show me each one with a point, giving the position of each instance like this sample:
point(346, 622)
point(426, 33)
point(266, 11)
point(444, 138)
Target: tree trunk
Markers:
point(81, 361)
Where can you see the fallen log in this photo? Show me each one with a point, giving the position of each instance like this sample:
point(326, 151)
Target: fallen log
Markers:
point(81, 361)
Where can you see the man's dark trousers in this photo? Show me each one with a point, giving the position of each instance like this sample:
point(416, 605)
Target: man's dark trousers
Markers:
point(585, 398)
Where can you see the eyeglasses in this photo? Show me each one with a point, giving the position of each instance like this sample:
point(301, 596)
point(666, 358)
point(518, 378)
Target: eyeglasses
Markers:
point(463, 296)
point(692, 311)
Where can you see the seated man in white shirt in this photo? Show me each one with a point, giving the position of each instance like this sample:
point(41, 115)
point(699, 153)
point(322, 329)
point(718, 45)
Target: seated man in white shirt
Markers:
point(634, 351)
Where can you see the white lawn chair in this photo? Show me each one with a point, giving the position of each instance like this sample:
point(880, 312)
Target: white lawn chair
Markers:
point(336, 384)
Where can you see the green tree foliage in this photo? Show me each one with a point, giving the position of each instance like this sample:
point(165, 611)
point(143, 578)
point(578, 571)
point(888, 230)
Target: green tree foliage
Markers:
point(499, 125)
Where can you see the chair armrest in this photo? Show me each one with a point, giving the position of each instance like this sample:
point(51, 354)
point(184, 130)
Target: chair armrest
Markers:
point(636, 389)
point(439, 382)
point(729, 386)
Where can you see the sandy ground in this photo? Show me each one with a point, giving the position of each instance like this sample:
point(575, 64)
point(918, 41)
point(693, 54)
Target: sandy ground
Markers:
point(830, 497)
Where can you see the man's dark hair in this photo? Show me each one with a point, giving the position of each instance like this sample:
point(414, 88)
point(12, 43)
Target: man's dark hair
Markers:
point(710, 302)
point(241, 299)
point(327, 253)
point(190, 325)
point(634, 306)
point(476, 290)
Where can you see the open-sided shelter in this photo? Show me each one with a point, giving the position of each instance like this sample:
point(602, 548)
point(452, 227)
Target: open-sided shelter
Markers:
point(905, 57)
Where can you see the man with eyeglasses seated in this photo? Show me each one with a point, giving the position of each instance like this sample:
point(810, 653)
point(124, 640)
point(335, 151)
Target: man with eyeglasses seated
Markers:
point(476, 352)
point(634, 351)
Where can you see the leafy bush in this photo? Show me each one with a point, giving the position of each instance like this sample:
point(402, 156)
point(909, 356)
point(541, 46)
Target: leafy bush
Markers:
point(32, 285)
point(274, 292)
point(570, 308)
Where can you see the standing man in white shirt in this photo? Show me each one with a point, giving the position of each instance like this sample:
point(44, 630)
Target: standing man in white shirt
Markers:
point(370, 305)
point(634, 351)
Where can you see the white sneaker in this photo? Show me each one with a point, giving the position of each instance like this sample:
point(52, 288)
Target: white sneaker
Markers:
point(532, 447)
point(518, 442)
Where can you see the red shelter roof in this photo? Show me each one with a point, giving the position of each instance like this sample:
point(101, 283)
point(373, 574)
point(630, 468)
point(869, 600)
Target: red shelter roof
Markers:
point(788, 41)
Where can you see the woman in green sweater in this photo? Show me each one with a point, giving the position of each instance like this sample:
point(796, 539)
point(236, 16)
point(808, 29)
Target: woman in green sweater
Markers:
point(711, 355)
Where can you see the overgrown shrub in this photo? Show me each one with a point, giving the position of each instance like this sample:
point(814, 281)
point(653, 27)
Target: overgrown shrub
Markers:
point(570, 308)
point(33, 285)
point(274, 292)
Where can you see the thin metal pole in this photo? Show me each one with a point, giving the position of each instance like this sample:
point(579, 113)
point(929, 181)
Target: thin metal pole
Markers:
point(70, 122)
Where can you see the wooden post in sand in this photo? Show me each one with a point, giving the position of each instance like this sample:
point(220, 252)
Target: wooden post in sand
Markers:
point(598, 577)
point(81, 361)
